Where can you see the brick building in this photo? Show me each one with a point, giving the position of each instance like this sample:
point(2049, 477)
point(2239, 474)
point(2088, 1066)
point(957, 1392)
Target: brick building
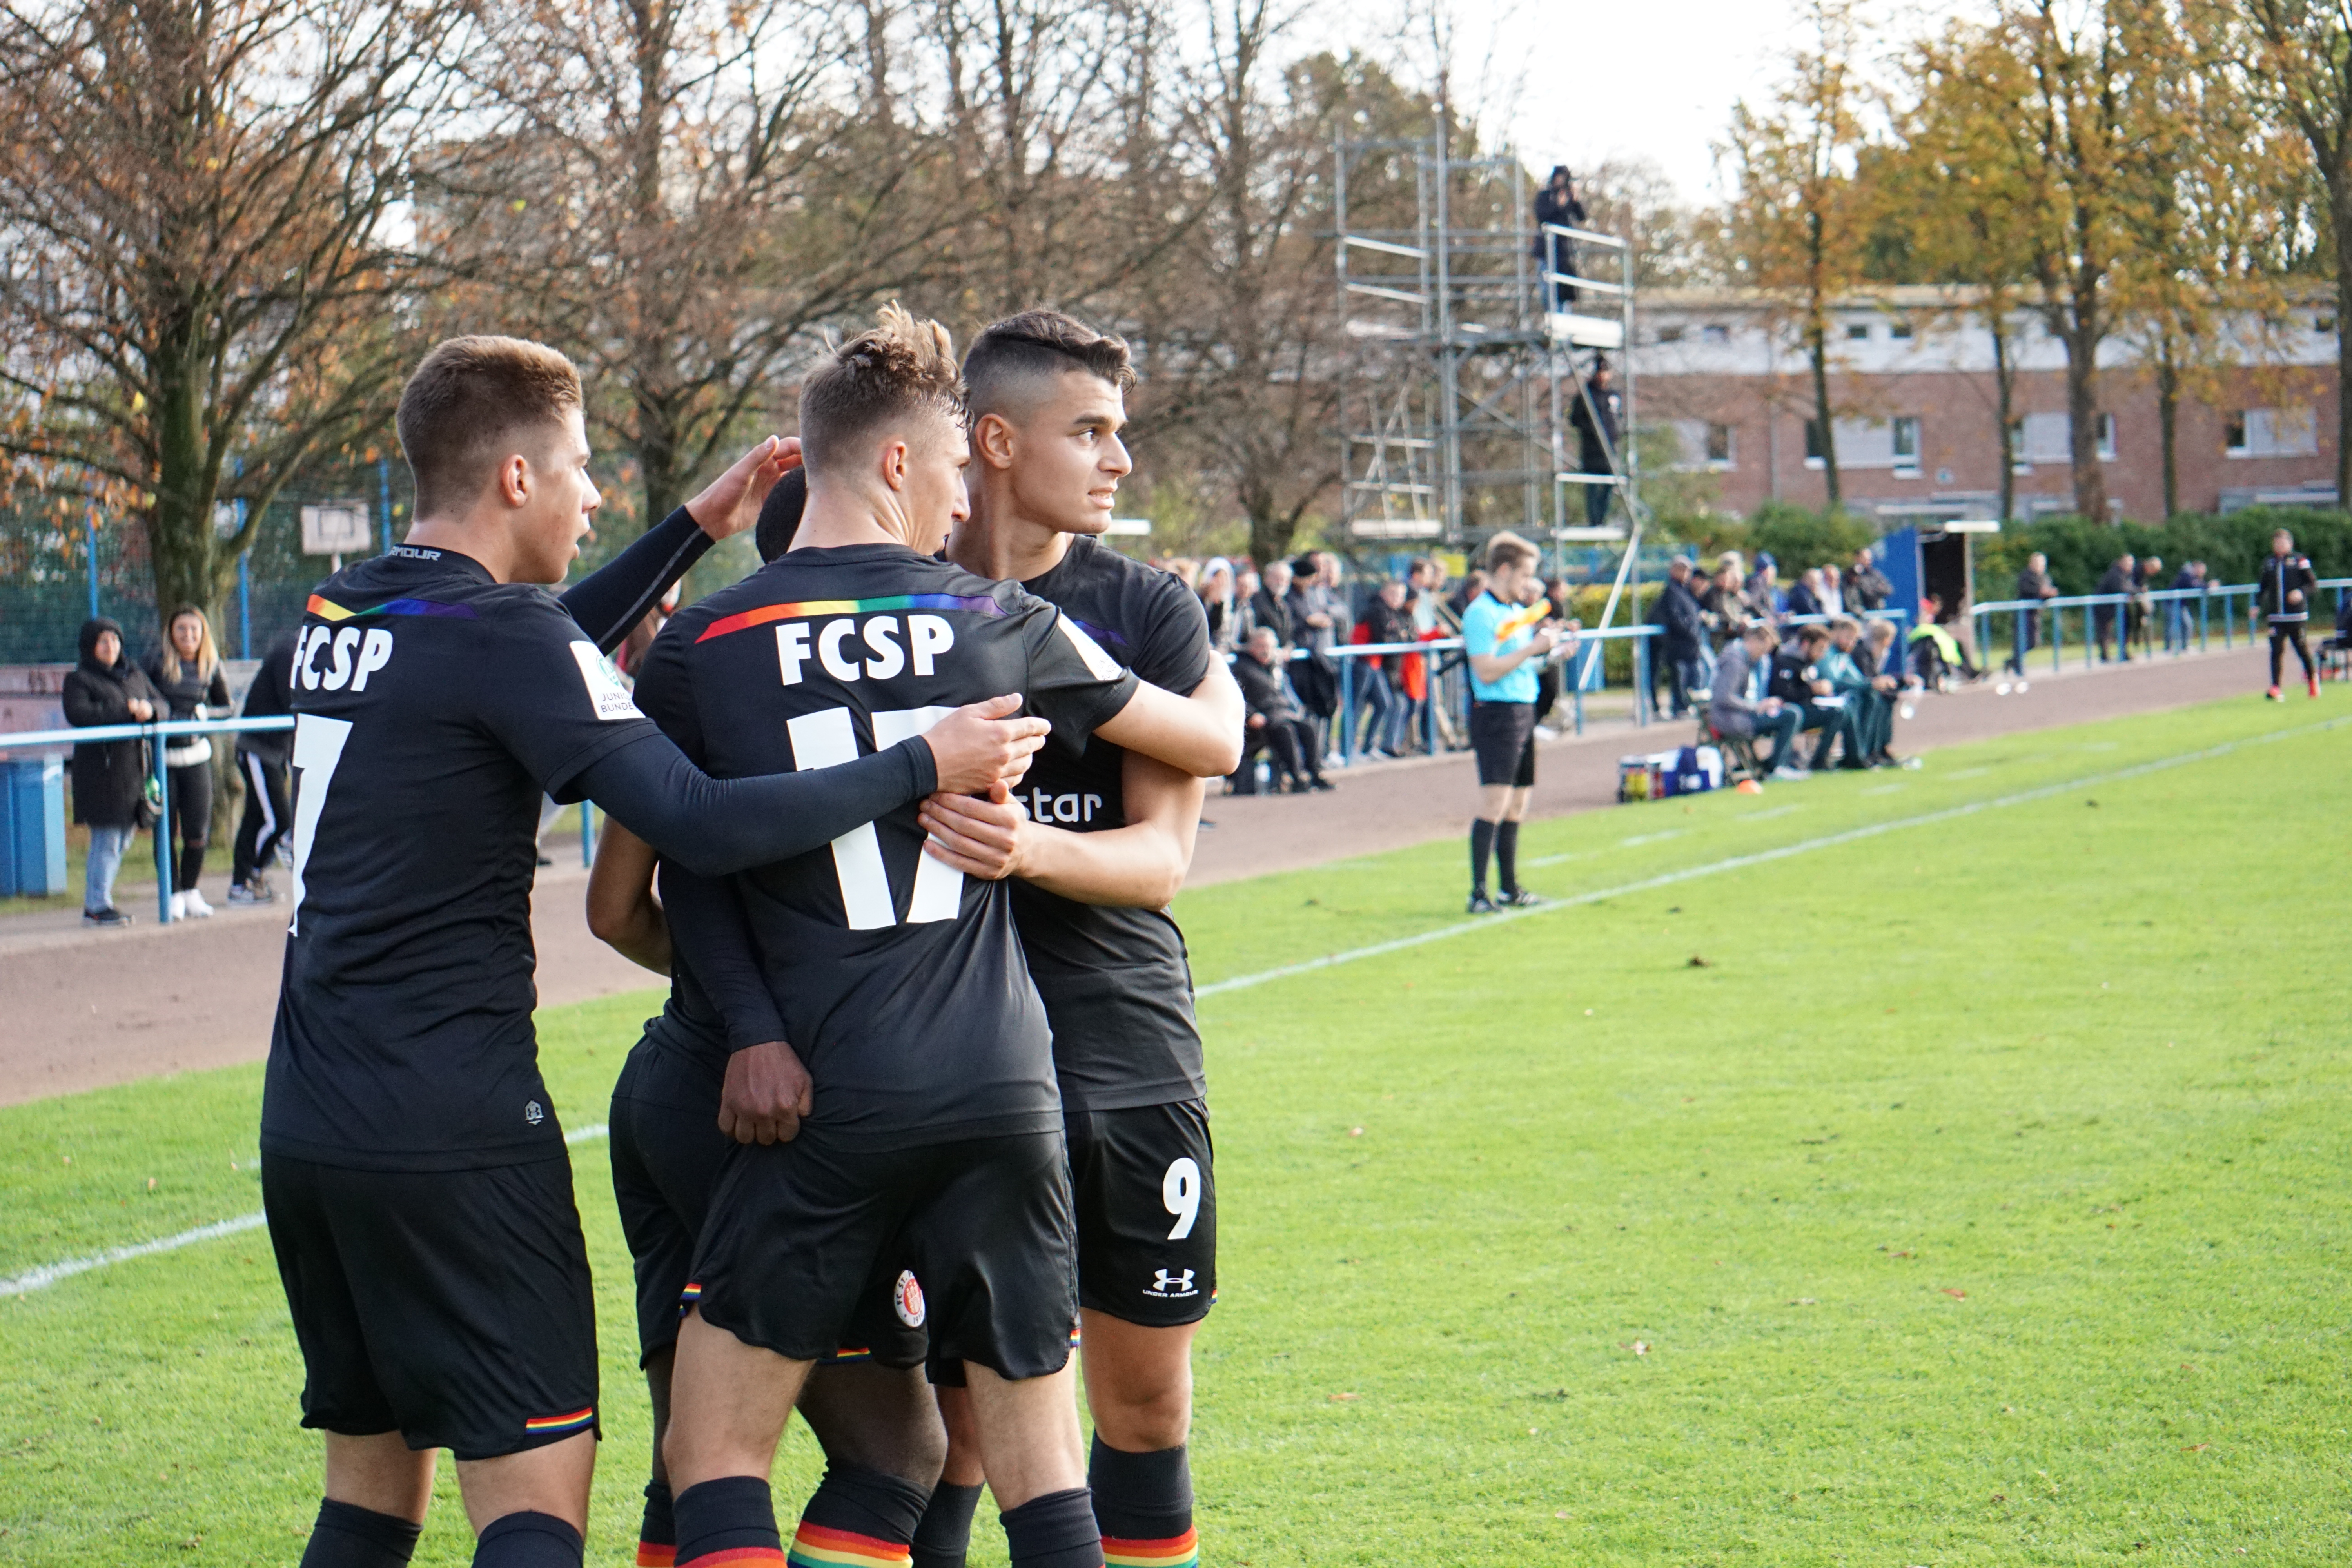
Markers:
point(1913, 392)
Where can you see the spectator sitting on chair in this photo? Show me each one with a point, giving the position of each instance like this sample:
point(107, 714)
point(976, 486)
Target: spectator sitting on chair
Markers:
point(1805, 594)
point(1680, 649)
point(2118, 580)
point(110, 777)
point(1762, 590)
point(1734, 712)
point(1866, 587)
point(1799, 680)
point(1869, 696)
point(1276, 725)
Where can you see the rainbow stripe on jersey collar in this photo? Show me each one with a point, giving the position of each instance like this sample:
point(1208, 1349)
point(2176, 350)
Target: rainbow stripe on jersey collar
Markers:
point(979, 604)
point(328, 610)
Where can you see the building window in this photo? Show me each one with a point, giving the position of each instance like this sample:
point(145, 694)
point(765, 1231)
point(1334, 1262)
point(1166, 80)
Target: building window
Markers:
point(1857, 332)
point(2271, 433)
point(1721, 452)
point(2050, 439)
point(1906, 444)
point(1701, 444)
point(1714, 333)
point(1813, 454)
point(1900, 332)
point(2107, 438)
point(2323, 322)
point(1670, 335)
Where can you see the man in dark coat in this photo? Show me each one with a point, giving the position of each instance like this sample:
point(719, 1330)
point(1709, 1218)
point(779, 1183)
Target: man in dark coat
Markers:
point(1556, 204)
point(2105, 618)
point(261, 757)
point(1270, 606)
point(1275, 724)
point(110, 777)
point(2034, 586)
point(1678, 611)
point(1595, 422)
point(1866, 587)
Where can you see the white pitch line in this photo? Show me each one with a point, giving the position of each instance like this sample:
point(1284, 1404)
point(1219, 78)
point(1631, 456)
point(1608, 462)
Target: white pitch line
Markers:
point(49, 1274)
point(1762, 857)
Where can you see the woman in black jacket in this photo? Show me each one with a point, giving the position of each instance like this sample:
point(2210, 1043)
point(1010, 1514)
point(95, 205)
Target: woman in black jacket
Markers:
point(187, 671)
point(110, 777)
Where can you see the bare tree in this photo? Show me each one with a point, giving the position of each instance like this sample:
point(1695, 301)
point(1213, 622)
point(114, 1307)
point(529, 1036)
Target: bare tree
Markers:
point(198, 204)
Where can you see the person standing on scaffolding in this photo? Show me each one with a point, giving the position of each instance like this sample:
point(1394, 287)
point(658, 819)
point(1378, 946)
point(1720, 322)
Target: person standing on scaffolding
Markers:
point(1557, 204)
point(1596, 421)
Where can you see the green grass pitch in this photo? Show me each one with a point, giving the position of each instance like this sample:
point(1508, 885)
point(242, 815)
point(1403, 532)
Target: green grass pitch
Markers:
point(1966, 1192)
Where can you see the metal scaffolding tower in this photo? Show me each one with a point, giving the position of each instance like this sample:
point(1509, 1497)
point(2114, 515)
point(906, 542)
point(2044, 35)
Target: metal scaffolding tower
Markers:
point(1465, 323)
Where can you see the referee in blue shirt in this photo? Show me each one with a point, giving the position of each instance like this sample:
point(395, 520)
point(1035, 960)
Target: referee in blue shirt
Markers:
point(1505, 648)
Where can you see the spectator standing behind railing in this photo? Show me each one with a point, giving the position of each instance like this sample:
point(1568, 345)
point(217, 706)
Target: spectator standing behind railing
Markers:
point(1217, 600)
point(1387, 619)
point(1680, 648)
point(1317, 615)
point(2033, 584)
point(1727, 611)
point(1866, 587)
point(2117, 580)
point(1833, 592)
point(1270, 606)
point(1735, 709)
point(110, 777)
point(2138, 617)
point(187, 673)
point(2176, 613)
point(261, 759)
point(1805, 594)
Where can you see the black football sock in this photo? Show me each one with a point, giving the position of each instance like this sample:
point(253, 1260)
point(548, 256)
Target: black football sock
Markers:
point(732, 1519)
point(1057, 1531)
point(944, 1536)
point(350, 1536)
point(1507, 856)
point(859, 1515)
point(1144, 1504)
point(1482, 844)
point(657, 1536)
point(527, 1541)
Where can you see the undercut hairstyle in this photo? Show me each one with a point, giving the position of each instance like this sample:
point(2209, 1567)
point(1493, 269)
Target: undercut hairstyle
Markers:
point(465, 408)
point(1014, 359)
point(893, 371)
point(1507, 551)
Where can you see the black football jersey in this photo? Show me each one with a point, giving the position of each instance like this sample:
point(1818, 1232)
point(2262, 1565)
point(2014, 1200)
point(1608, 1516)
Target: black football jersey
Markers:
point(1116, 981)
point(899, 981)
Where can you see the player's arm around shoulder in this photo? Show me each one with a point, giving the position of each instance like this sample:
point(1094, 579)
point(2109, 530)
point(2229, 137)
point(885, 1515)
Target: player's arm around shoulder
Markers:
point(1140, 865)
point(1200, 735)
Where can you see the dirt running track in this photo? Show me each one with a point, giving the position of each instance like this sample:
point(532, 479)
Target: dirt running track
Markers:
point(81, 1009)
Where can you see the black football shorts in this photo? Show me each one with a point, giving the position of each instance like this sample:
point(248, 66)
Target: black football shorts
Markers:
point(973, 1243)
point(1503, 734)
point(667, 1151)
point(1146, 1188)
point(453, 1307)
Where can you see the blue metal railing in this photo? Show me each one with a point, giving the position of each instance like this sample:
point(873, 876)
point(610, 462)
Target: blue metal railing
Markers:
point(2036, 622)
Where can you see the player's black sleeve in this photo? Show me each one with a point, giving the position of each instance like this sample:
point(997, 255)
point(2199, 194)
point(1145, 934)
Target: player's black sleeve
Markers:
point(707, 919)
point(1172, 649)
point(1072, 683)
point(608, 602)
point(721, 825)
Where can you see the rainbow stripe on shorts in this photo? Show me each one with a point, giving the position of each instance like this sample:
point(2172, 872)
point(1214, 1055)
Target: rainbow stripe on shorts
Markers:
point(578, 1421)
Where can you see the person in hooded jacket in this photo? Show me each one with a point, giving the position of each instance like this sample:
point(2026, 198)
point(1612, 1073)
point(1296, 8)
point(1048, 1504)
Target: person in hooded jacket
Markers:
point(110, 777)
point(186, 671)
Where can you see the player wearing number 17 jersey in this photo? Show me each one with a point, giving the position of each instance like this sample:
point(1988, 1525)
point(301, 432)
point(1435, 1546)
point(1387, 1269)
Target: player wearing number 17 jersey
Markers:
point(933, 1144)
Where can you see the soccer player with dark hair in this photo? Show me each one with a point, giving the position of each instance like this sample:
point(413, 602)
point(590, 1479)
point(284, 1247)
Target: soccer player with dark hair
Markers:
point(2284, 590)
point(1105, 845)
point(930, 1160)
point(414, 1173)
point(1506, 645)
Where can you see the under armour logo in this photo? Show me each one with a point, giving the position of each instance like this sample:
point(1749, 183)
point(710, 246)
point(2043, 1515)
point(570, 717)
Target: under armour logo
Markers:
point(533, 1112)
point(1164, 1283)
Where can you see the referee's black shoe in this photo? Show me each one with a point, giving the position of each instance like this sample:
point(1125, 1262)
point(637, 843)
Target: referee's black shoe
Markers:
point(1480, 904)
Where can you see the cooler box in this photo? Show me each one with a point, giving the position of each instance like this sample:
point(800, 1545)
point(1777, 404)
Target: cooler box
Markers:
point(33, 828)
point(1692, 770)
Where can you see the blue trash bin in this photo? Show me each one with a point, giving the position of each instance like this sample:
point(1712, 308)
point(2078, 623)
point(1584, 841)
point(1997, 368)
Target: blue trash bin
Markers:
point(33, 828)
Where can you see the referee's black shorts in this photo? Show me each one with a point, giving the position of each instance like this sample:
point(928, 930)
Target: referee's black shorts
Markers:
point(1503, 734)
point(973, 1241)
point(666, 1154)
point(453, 1307)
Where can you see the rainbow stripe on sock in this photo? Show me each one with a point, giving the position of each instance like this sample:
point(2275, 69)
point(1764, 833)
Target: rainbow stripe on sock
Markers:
point(730, 1556)
point(1173, 1552)
point(814, 1546)
point(327, 609)
point(981, 603)
point(578, 1421)
point(657, 1554)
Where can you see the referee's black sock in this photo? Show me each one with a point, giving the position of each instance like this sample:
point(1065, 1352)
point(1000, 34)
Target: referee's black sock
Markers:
point(859, 1515)
point(944, 1536)
point(1482, 844)
point(350, 1536)
point(1057, 1531)
point(1507, 856)
point(1144, 1504)
point(657, 1536)
point(527, 1541)
point(732, 1519)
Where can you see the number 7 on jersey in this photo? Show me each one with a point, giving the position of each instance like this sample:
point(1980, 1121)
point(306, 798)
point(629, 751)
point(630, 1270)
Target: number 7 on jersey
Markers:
point(826, 739)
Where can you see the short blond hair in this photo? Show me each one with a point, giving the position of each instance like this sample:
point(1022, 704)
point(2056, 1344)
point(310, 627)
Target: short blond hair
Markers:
point(901, 367)
point(1508, 550)
point(464, 405)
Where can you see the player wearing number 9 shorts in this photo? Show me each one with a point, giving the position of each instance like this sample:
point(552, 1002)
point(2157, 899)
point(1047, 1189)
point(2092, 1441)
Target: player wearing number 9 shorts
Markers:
point(1108, 840)
point(934, 1133)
